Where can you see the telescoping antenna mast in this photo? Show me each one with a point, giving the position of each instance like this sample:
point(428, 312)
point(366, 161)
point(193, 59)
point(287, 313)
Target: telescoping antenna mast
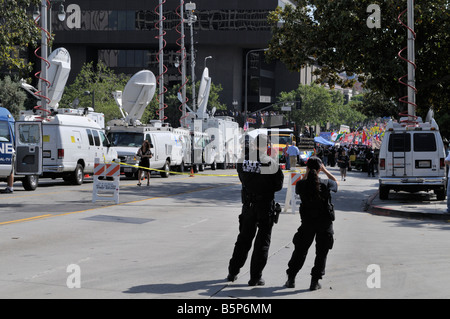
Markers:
point(410, 99)
point(411, 59)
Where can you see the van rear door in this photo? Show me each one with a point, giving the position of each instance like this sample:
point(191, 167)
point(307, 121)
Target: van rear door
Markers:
point(425, 156)
point(28, 148)
point(399, 149)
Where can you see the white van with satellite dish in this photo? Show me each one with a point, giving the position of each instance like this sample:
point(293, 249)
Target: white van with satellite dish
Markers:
point(224, 147)
point(411, 158)
point(170, 147)
point(72, 138)
point(71, 143)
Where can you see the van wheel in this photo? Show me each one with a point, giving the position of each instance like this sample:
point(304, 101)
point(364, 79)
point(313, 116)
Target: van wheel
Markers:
point(440, 194)
point(214, 166)
point(78, 175)
point(166, 169)
point(201, 167)
point(181, 167)
point(30, 182)
point(383, 192)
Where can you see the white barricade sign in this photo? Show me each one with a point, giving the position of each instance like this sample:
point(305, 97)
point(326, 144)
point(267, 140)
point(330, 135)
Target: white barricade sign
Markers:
point(290, 201)
point(106, 181)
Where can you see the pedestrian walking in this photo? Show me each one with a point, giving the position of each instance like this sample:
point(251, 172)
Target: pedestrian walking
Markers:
point(447, 162)
point(317, 216)
point(343, 162)
point(293, 152)
point(261, 177)
point(144, 153)
point(370, 160)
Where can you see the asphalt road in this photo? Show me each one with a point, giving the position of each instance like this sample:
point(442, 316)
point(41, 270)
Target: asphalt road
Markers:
point(174, 239)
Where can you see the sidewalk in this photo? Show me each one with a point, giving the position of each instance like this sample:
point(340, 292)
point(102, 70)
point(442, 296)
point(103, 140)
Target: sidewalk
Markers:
point(413, 205)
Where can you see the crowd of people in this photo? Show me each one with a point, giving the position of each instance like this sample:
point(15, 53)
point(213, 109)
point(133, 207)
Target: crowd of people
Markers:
point(345, 157)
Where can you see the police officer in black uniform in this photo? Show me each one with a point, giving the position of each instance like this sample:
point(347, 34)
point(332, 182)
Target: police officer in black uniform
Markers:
point(261, 177)
point(317, 215)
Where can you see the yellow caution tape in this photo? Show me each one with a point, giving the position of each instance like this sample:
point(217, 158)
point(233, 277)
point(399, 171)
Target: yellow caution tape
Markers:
point(172, 172)
point(302, 170)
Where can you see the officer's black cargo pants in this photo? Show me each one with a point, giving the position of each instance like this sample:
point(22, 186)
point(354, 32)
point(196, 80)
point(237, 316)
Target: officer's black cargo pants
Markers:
point(323, 232)
point(255, 219)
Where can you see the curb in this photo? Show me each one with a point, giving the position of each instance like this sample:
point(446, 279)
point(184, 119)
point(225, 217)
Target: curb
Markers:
point(383, 211)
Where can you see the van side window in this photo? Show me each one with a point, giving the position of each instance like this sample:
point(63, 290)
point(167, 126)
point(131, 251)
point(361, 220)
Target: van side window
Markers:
point(4, 132)
point(424, 142)
point(96, 138)
point(399, 142)
point(148, 138)
point(90, 137)
point(103, 139)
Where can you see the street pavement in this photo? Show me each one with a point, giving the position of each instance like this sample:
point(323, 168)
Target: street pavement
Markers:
point(420, 205)
point(173, 240)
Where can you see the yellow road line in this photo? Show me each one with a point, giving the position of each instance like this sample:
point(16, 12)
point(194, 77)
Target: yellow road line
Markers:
point(114, 205)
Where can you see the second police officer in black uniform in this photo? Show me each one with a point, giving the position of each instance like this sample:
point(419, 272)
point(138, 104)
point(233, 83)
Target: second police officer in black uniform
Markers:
point(261, 177)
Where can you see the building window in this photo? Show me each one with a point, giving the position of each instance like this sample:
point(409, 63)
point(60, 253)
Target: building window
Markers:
point(144, 20)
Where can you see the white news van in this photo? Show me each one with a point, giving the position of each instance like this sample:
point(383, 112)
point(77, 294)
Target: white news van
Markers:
point(20, 150)
point(71, 142)
point(412, 159)
point(167, 147)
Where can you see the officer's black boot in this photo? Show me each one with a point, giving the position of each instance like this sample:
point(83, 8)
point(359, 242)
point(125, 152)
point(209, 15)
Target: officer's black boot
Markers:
point(290, 283)
point(256, 282)
point(314, 284)
point(231, 277)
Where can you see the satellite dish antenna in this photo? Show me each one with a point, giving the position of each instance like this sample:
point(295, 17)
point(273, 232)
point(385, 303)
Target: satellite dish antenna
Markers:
point(203, 94)
point(137, 94)
point(57, 75)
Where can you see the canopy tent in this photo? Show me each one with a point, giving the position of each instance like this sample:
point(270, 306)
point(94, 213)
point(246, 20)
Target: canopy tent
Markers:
point(321, 140)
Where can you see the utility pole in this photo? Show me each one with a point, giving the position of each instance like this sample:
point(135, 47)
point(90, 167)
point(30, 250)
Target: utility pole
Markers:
point(44, 56)
point(190, 8)
point(411, 63)
point(161, 62)
point(183, 64)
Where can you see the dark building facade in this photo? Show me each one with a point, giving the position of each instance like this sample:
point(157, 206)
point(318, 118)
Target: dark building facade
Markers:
point(124, 36)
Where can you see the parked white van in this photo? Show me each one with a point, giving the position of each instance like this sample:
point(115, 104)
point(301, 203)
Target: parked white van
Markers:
point(165, 146)
point(412, 159)
point(20, 150)
point(70, 145)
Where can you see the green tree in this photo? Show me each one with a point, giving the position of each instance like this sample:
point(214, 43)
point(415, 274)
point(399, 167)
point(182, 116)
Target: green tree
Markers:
point(17, 33)
point(101, 80)
point(334, 35)
point(12, 96)
point(320, 106)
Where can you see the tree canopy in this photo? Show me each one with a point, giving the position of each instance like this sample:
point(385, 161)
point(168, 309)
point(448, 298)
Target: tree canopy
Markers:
point(320, 106)
point(17, 32)
point(335, 36)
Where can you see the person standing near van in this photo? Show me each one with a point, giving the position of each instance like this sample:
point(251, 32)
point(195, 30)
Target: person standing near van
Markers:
point(317, 215)
point(145, 154)
point(10, 182)
point(293, 152)
point(447, 162)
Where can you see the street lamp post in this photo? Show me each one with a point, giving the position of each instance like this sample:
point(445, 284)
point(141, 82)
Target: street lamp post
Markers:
point(61, 16)
point(192, 18)
point(208, 57)
point(44, 49)
point(246, 75)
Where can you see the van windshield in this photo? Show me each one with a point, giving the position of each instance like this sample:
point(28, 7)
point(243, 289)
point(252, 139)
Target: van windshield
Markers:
point(128, 139)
